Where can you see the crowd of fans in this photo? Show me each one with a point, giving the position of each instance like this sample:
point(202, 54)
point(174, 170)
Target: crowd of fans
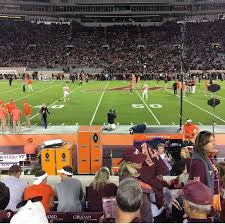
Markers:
point(116, 49)
point(195, 193)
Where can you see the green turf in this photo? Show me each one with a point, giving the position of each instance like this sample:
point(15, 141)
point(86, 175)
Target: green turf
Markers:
point(89, 104)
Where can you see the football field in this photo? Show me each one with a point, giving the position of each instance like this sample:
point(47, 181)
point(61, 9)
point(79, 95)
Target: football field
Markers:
point(88, 104)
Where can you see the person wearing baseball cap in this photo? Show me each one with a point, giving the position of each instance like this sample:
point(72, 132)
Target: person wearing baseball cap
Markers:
point(190, 130)
point(41, 188)
point(197, 202)
point(15, 185)
point(130, 167)
point(69, 191)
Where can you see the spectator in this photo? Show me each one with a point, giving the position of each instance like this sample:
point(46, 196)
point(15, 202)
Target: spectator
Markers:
point(15, 185)
point(99, 188)
point(197, 202)
point(130, 167)
point(4, 196)
point(40, 188)
point(3, 117)
point(30, 149)
point(69, 192)
point(201, 167)
point(10, 106)
point(129, 199)
point(165, 157)
point(32, 212)
point(16, 117)
point(27, 112)
point(190, 130)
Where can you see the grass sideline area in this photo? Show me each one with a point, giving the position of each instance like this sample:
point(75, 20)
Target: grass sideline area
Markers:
point(88, 104)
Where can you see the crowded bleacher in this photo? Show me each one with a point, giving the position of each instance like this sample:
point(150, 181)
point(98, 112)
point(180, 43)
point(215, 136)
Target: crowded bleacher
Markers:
point(117, 49)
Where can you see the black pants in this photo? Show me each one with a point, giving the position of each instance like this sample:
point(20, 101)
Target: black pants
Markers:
point(175, 91)
point(24, 89)
point(10, 82)
point(44, 121)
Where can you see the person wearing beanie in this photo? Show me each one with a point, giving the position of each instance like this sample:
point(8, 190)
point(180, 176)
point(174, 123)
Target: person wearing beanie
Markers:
point(197, 202)
point(15, 185)
point(41, 188)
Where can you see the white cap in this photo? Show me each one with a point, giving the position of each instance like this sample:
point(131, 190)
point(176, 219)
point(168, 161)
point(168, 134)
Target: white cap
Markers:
point(38, 180)
point(189, 120)
point(65, 172)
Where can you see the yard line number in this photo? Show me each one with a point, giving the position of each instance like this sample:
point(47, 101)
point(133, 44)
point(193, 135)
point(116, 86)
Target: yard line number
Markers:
point(141, 106)
point(59, 106)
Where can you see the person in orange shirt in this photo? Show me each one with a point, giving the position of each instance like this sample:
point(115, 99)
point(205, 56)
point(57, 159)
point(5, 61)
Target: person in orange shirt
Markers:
point(206, 86)
point(27, 112)
point(190, 130)
point(9, 107)
point(179, 87)
point(130, 86)
point(3, 117)
point(16, 117)
point(40, 188)
point(29, 82)
point(184, 89)
point(30, 149)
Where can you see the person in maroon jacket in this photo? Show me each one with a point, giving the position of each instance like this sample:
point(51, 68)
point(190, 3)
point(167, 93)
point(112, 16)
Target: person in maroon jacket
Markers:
point(152, 171)
point(99, 188)
point(201, 166)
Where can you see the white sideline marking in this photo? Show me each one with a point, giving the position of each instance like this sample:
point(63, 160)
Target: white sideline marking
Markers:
point(172, 123)
point(11, 90)
point(131, 123)
point(76, 124)
point(148, 108)
point(35, 93)
point(199, 108)
point(96, 109)
point(62, 124)
point(52, 104)
point(204, 110)
point(209, 94)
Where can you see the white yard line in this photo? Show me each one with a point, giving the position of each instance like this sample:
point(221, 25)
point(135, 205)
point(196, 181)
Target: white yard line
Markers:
point(36, 93)
point(148, 108)
point(96, 109)
point(200, 108)
point(200, 123)
point(11, 90)
point(172, 123)
point(53, 103)
point(209, 94)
